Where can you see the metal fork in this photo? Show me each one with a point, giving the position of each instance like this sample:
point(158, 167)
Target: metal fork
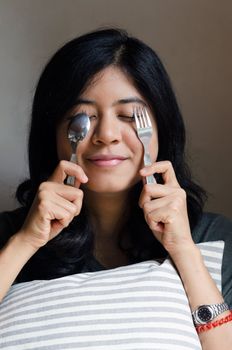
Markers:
point(144, 131)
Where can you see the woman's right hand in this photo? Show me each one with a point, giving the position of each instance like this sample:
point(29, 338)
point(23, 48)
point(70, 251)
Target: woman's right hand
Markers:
point(54, 206)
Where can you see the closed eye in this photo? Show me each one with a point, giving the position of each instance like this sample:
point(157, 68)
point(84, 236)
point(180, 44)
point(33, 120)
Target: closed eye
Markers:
point(76, 115)
point(71, 117)
point(127, 118)
point(93, 116)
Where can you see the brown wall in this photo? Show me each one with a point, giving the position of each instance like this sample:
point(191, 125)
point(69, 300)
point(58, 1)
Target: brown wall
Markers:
point(193, 37)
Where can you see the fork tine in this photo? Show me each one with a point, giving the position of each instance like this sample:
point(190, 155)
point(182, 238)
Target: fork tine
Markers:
point(143, 117)
point(140, 117)
point(147, 120)
point(137, 120)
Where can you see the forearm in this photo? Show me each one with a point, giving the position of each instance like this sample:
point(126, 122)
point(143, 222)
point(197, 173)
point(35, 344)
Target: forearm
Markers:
point(13, 256)
point(201, 289)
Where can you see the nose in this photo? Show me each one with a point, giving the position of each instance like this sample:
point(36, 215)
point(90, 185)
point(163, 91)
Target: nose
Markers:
point(106, 130)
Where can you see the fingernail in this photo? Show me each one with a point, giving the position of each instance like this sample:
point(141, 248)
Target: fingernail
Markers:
point(85, 178)
point(143, 171)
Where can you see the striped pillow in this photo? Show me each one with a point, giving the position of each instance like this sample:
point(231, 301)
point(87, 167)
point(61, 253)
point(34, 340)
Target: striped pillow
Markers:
point(140, 306)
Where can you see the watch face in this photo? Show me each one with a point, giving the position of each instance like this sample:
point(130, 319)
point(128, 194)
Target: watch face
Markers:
point(204, 314)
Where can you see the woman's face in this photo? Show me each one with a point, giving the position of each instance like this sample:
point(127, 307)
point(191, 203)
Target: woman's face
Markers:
point(111, 155)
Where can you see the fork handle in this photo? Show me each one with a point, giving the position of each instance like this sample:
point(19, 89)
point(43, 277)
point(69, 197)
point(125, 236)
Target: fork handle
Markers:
point(147, 161)
point(71, 179)
point(150, 179)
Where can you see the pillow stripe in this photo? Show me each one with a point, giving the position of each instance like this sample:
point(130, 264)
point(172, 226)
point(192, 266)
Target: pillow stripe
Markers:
point(136, 307)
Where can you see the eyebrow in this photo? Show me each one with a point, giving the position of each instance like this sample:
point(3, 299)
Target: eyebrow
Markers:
point(84, 101)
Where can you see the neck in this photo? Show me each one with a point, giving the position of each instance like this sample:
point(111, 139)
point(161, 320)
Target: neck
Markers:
point(107, 212)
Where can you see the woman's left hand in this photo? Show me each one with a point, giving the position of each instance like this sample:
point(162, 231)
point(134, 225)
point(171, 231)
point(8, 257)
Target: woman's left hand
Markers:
point(165, 209)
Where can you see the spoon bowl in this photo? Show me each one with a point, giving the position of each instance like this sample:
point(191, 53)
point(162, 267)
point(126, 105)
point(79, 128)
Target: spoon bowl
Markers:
point(77, 131)
point(78, 128)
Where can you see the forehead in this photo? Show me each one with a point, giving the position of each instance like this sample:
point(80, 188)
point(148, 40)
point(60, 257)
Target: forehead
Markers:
point(111, 83)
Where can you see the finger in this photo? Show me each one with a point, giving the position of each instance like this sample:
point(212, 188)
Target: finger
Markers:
point(173, 204)
point(51, 211)
point(153, 192)
point(156, 219)
point(156, 204)
point(63, 216)
point(78, 201)
point(164, 168)
point(61, 211)
point(46, 189)
point(66, 168)
point(72, 207)
point(75, 206)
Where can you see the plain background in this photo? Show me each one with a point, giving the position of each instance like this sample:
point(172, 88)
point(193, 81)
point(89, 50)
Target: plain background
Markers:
point(193, 39)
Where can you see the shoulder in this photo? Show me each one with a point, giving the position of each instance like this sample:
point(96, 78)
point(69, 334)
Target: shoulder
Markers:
point(212, 227)
point(215, 227)
point(10, 223)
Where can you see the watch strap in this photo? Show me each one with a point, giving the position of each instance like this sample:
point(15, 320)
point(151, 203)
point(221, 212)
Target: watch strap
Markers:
point(219, 308)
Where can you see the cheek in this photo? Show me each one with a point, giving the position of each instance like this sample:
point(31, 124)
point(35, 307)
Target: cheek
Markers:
point(133, 143)
point(131, 139)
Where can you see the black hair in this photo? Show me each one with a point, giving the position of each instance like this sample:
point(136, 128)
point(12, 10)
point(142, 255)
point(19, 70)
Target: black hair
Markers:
point(64, 78)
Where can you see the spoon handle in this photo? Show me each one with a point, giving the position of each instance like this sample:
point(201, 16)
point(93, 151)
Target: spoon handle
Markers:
point(71, 179)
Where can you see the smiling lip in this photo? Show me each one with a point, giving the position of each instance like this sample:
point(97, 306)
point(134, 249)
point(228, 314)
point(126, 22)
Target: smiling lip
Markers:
point(106, 159)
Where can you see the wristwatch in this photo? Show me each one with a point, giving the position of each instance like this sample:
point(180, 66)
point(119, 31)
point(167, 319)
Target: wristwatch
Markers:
point(206, 313)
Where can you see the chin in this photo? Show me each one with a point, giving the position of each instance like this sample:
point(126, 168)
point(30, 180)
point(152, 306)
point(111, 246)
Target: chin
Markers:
point(108, 187)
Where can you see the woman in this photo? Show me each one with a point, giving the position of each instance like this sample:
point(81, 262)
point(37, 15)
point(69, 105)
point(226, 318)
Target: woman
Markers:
point(110, 217)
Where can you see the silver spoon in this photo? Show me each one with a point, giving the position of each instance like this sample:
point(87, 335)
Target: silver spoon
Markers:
point(77, 131)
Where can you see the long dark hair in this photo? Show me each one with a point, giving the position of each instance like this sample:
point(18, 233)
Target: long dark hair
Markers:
point(64, 78)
